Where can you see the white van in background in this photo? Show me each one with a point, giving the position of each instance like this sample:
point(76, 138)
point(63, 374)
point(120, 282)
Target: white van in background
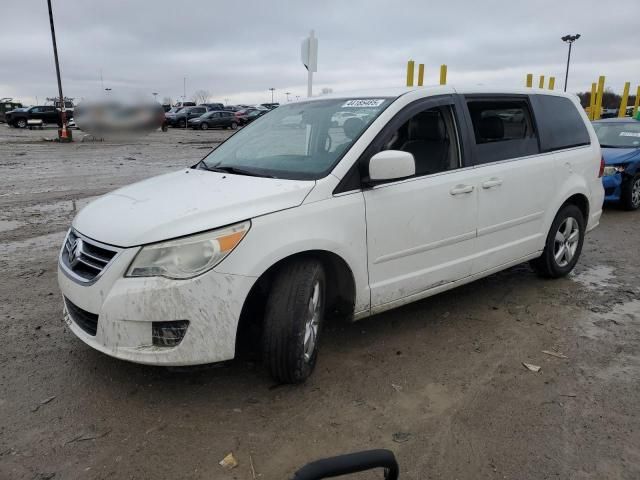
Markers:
point(297, 217)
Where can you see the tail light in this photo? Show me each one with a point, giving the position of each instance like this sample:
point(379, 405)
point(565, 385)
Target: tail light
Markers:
point(601, 173)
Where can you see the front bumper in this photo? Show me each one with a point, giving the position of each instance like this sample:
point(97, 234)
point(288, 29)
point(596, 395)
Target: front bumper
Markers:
point(612, 187)
point(126, 308)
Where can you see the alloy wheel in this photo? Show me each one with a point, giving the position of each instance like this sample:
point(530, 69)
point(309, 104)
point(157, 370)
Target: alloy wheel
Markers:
point(635, 193)
point(566, 241)
point(312, 322)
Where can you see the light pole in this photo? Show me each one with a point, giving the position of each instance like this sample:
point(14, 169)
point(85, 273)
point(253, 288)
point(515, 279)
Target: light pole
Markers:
point(287, 94)
point(63, 135)
point(272, 90)
point(107, 90)
point(155, 96)
point(569, 39)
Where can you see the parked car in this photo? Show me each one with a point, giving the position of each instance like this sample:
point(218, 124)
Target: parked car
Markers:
point(7, 105)
point(47, 114)
point(254, 115)
point(233, 108)
point(243, 115)
point(284, 224)
point(620, 142)
point(213, 106)
point(214, 119)
point(609, 113)
point(182, 116)
point(270, 106)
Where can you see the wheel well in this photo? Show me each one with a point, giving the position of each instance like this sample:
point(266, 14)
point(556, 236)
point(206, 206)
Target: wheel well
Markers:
point(340, 293)
point(580, 201)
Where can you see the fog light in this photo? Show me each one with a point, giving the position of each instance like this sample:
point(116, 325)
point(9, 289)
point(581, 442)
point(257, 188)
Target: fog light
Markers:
point(169, 334)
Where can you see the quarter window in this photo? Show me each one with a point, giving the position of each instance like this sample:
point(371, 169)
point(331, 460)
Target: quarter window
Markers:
point(503, 129)
point(561, 124)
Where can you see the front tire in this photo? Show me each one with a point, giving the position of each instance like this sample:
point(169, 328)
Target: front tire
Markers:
point(293, 321)
point(564, 244)
point(21, 123)
point(631, 193)
point(204, 126)
point(234, 125)
point(182, 124)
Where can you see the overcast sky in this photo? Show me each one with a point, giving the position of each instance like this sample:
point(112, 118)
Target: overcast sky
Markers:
point(238, 49)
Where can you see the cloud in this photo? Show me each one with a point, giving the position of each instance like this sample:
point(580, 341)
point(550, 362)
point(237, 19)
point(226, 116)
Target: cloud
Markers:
point(237, 50)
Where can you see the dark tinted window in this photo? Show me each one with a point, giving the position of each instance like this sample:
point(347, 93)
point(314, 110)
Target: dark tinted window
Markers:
point(561, 126)
point(503, 129)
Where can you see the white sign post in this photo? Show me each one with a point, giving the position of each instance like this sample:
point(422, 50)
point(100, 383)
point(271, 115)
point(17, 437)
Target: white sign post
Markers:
point(309, 56)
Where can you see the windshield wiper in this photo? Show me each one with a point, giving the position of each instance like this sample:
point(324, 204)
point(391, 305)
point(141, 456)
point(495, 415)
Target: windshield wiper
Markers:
point(613, 146)
point(235, 171)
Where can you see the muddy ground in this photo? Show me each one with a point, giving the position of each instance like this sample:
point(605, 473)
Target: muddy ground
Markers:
point(440, 382)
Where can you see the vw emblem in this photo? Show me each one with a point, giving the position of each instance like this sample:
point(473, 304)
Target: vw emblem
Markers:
point(75, 249)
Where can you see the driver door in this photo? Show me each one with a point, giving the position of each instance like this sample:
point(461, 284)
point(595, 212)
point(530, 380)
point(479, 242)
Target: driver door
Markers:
point(421, 231)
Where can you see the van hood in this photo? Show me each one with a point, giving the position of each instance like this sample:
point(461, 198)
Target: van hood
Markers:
point(182, 203)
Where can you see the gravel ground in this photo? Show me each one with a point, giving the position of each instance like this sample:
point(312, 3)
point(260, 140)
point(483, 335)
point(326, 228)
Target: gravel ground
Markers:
point(440, 382)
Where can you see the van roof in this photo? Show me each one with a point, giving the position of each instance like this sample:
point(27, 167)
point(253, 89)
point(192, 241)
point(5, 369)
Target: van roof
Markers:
point(395, 92)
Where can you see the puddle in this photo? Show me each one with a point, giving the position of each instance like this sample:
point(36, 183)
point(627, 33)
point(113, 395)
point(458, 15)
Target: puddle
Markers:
point(623, 316)
point(595, 278)
point(8, 225)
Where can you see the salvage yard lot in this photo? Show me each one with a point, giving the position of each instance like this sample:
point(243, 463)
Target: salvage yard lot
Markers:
point(440, 382)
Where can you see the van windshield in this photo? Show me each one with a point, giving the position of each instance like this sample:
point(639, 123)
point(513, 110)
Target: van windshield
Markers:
point(300, 141)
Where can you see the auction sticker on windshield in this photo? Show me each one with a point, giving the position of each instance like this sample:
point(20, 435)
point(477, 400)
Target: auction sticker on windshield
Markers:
point(365, 102)
point(630, 134)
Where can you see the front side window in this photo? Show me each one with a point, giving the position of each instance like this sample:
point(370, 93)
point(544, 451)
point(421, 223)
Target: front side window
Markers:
point(503, 129)
point(618, 134)
point(430, 136)
point(301, 141)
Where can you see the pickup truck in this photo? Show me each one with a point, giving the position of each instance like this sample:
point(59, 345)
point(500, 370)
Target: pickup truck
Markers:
point(48, 114)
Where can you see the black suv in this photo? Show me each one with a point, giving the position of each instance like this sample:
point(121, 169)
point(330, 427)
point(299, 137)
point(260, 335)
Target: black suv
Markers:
point(47, 113)
point(182, 116)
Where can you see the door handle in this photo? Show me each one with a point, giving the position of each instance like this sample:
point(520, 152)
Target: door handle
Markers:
point(460, 189)
point(492, 182)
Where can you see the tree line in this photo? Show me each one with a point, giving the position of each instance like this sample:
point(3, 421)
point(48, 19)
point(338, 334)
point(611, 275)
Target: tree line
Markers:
point(610, 99)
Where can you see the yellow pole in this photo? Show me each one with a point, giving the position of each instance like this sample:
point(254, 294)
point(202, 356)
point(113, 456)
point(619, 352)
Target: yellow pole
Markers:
point(636, 104)
point(592, 102)
point(410, 67)
point(598, 105)
point(552, 82)
point(622, 111)
point(443, 74)
point(541, 82)
point(529, 80)
point(420, 74)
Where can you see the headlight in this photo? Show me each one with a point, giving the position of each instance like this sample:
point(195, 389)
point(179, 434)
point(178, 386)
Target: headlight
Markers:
point(612, 170)
point(187, 257)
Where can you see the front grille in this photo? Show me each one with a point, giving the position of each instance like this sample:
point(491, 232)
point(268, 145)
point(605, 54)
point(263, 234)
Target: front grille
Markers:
point(87, 321)
point(85, 258)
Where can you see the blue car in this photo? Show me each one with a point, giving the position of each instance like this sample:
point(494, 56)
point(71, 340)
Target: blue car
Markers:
point(620, 142)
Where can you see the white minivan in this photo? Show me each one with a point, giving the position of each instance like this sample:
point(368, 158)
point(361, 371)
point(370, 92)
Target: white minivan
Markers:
point(296, 217)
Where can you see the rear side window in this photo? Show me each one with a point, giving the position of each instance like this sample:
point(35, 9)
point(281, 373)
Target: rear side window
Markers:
point(561, 126)
point(503, 129)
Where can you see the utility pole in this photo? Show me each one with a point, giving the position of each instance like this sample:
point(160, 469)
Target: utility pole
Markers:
point(309, 57)
point(569, 39)
point(272, 90)
point(63, 134)
point(287, 94)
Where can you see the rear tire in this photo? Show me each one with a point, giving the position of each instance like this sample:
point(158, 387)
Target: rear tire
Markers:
point(234, 125)
point(182, 123)
point(564, 244)
point(293, 321)
point(630, 197)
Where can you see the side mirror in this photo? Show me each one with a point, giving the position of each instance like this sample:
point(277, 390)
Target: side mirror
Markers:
point(391, 165)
